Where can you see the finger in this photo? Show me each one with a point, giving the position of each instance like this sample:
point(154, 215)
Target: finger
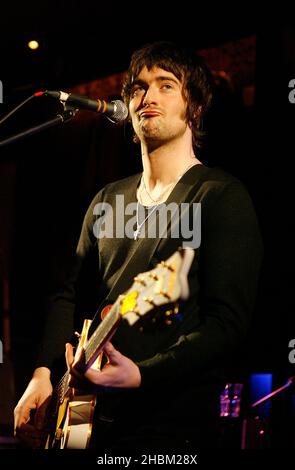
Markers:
point(22, 415)
point(69, 355)
point(109, 348)
point(112, 353)
point(95, 377)
point(20, 419)
point(75, 376)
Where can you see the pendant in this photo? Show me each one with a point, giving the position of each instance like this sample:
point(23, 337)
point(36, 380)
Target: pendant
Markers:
point(136, 233)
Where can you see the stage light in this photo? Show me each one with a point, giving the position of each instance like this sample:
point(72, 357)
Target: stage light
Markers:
point(33, 45)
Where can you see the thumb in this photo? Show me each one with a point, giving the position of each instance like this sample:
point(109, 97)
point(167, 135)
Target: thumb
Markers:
point(69, 355)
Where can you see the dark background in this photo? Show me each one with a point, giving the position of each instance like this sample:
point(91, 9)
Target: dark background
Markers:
point(47, 180)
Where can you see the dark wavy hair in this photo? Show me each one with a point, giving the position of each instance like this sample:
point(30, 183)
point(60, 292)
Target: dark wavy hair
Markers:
point(187, 67)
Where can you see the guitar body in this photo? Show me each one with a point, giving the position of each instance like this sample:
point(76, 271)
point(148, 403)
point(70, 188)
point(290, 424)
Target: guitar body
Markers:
point(74, 412)
point(77, 422)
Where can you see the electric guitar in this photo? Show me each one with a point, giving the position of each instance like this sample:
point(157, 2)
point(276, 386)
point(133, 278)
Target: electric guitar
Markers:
point(71, 411)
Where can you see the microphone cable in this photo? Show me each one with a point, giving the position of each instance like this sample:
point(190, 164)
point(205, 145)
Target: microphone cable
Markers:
point(17, 107)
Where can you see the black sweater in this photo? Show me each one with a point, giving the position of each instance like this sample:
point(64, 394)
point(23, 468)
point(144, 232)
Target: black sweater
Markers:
point(190, 354)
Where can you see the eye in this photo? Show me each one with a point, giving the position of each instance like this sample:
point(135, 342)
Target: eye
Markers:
point(167, 87)
point(137, 90)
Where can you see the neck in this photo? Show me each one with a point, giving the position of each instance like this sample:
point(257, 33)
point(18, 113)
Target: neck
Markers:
point(165, 164)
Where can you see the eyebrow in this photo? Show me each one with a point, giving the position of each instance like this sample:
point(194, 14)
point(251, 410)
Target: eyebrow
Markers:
point(160, 78)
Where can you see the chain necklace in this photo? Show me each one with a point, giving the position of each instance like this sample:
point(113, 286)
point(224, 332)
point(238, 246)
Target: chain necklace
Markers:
point(140, 225)
point(167, 187)
point(161, 195)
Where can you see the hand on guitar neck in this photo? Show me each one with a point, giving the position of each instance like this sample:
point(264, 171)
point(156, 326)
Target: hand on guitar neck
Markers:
point(118, 372)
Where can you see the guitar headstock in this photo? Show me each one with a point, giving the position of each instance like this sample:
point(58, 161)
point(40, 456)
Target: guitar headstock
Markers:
point(164, 284)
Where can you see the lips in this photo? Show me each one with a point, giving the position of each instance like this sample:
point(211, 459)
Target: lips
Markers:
point(149, 113)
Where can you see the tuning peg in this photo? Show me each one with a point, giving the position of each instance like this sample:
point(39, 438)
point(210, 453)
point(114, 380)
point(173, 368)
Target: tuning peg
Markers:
point(169, 266)
point(140, 280)
point(154, 276)
point(165, 294)
point(149, 300)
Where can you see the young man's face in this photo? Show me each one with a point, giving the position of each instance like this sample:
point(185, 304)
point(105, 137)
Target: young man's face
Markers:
point(157, 106)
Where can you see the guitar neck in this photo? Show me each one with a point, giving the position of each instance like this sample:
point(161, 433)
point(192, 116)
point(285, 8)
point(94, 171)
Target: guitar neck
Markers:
point(162, 285)
point(101, 335)
point(59, 392)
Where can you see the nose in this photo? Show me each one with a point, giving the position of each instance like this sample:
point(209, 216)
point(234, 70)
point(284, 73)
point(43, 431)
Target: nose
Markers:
point(149, 97)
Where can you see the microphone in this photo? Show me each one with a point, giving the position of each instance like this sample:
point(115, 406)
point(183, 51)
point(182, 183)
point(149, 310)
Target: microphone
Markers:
point(116, 111)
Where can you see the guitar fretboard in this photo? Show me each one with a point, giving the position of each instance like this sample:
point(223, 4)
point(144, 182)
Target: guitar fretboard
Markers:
point(101, 335)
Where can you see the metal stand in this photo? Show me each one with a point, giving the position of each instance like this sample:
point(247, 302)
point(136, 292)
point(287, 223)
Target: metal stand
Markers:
point(65, 116)
point(258, 425)
point(289, 382)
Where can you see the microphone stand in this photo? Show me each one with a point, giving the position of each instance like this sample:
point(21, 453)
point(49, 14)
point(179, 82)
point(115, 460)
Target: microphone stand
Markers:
point(64, 116)
point(254, 405)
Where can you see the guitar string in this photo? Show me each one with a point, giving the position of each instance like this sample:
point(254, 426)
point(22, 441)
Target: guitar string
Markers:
point(62, 388)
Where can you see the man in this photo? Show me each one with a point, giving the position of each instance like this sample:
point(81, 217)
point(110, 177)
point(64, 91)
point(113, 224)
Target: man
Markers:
point(160, 387)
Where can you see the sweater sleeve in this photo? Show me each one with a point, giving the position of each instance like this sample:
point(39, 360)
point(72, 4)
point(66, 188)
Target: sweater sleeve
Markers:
point(60, 322)
point(229, 259)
